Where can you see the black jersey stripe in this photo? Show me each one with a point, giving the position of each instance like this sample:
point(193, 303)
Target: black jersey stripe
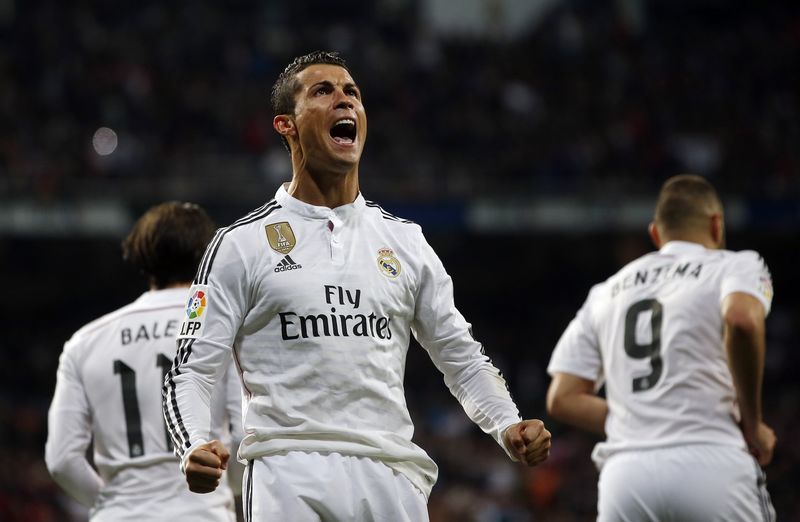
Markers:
point(221, 231)
point(248, 498)
point(165, 402)
point(170, 400)
point(203, 268)
point(204, 260)
point(213, 247)
point(763, 496)
point(499, 371)
point(388, 215)
point(165, 393)
point(178, 430)
point(187, 351)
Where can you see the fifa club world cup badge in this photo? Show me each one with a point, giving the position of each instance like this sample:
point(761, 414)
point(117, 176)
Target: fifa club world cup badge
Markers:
point(388, 263)
point(281, 237)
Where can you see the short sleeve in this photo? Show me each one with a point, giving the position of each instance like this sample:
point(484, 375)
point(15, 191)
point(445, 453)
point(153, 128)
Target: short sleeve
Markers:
point(578, 350)
point(747, 272)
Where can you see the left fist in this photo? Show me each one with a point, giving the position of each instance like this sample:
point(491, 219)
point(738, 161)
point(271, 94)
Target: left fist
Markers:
point(528, 441)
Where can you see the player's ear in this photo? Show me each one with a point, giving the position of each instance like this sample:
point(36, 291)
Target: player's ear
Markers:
point(283, 125)
point(655, 237)
point(717, 230)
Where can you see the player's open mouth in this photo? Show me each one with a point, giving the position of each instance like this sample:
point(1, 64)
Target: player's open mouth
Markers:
point(343, 131)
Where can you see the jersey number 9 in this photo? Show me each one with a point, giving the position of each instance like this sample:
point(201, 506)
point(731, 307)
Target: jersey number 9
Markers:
point(642, 351)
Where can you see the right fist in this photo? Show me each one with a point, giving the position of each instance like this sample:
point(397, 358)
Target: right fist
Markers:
point(762, 444)
point(528, 441)
point(205, 465)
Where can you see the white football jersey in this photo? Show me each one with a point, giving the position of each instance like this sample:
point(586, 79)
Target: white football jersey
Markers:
point(108, 390)
point(319, 305)
point(653, 333)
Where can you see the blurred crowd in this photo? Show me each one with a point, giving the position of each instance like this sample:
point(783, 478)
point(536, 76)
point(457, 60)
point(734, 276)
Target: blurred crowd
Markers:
point(595, 99)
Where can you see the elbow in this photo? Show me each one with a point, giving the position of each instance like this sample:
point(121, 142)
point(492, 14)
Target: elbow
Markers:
point(59, 461)
point(742, 322)
point(743, 314)
point(555, 405)
point(57, 466)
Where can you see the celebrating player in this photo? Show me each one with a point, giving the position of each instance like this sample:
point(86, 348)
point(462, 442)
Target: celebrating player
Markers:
point(109, 388)
point(317, 293)
point(678, 337)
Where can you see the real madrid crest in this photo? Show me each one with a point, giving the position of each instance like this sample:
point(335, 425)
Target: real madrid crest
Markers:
point(281, 237)
point(388, 263)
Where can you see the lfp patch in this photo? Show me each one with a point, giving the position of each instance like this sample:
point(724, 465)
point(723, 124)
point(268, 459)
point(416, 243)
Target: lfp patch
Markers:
point(197, 305)
point(765, 286)
point(195, 313)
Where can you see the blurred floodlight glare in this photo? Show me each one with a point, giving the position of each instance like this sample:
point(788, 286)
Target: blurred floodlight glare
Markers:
point(104, 141)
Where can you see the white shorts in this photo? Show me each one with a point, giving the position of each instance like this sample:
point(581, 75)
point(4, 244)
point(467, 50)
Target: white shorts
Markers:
point(306, 487)
point(700, 482)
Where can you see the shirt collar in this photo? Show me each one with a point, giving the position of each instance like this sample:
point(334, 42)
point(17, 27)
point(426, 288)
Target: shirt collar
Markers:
point(312, 211)
point(681, 247)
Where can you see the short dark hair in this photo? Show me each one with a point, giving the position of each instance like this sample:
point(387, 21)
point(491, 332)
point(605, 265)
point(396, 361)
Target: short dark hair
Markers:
point(685, 201)
point(285, 87)
point(168, 241)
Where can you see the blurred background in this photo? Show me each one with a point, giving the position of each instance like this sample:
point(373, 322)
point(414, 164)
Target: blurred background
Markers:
point(528, 137)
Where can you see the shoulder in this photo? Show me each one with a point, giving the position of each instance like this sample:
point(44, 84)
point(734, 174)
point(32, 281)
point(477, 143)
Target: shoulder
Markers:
point(236, 239)
point(96, 328)
point(744, 255)
point(377, 212)
point(640, 263)
point(598, 291)
point(387, 224)
point(744, 260)
point(251, 221)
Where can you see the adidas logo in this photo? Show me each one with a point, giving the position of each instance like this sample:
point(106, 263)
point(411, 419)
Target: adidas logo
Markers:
point(287, 263)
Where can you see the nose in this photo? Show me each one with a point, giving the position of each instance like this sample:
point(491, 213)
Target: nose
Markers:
point(344, 104)
point(344, 101)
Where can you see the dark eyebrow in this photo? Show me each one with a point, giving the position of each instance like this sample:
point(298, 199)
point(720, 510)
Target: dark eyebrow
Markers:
point(329, 84)
point(323, 83)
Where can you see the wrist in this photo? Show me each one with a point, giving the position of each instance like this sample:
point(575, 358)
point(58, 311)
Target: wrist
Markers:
point(749, 428)
point(188, 453)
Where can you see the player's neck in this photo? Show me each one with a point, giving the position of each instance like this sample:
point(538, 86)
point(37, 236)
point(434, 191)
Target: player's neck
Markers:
point(700, 239)
point(324, 189)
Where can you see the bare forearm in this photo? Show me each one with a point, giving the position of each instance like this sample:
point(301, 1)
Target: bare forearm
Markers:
point(745, 347)
point(582, 410)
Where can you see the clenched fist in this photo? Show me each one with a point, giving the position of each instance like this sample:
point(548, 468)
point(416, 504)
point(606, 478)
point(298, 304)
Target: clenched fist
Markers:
point(528, 441)
point(205, 465)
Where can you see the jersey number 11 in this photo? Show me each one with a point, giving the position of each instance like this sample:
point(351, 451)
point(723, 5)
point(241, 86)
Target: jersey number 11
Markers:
point(130, 403)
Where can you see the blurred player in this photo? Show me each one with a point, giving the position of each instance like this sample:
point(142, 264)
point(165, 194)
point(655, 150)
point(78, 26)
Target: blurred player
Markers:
point(678, 337)
point(317, 294)
point(109, 388)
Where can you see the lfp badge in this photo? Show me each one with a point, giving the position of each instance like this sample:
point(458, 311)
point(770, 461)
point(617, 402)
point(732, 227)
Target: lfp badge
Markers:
point(196, 305)
point(388, 263)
